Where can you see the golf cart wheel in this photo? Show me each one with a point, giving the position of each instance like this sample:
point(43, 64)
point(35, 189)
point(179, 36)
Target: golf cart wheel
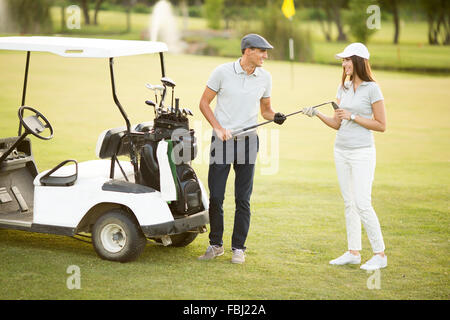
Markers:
point(117, 237)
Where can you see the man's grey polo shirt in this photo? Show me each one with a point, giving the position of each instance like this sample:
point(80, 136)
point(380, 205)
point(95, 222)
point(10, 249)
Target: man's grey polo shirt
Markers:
point(350, 134)
point(238, 94)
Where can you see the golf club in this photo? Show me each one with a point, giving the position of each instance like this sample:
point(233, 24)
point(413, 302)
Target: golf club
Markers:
point(177, 107)
point(237, 132)
point(155, 89)
point(169, 83)
point(151, 103)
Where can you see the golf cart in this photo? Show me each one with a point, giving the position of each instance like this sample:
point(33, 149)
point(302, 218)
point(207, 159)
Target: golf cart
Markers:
point(118, 203)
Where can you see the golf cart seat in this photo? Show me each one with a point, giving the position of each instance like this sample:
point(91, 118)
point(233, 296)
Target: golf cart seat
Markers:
point(110, 142)
point(84, 171)
point(113, 141)
point(144, 127)
point(57, 180)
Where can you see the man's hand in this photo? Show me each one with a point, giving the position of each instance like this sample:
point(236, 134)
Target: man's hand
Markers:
point(279, 118)
point(223, 134)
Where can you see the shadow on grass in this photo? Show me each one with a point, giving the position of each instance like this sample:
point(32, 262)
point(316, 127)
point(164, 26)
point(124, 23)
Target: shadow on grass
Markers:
point(13, 240)
point(42, 242)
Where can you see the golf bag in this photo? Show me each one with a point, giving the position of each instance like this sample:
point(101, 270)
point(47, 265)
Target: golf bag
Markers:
point(183, 147)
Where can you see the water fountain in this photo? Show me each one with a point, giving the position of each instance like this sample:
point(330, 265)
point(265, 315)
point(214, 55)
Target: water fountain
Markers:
point(164, 27)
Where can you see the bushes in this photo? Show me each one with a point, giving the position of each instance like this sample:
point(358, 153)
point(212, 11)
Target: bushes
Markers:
point(31, 16)
point(273, 26)
point(357, 20)
point(277, 30)
point(213, 13)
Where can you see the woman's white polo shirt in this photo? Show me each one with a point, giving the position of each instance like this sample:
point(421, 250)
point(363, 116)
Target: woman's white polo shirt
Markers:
point(350, 134)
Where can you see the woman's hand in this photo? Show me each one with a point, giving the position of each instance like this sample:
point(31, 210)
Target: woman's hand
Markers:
point(309, 111)
point(377, 123)
point(343, 114)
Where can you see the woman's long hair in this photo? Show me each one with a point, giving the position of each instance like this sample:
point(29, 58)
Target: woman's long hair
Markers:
point(362, 68)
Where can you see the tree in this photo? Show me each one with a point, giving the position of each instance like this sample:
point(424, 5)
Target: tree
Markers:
point(438, 16)
point(323, 15)
point(332, 13)
point(96, 10)
point(85, 8)
point(213, 12)
point(31, 16)
point(393, 7)
point(129, 4)
point(336, 6)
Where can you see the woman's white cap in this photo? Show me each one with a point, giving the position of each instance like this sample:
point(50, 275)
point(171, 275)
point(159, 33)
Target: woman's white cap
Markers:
point(354, 49)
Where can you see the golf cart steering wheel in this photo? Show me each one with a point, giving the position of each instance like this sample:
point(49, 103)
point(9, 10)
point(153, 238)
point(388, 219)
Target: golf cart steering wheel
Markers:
point(33, 125)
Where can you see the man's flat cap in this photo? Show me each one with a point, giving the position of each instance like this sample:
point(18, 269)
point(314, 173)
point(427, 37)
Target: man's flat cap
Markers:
point(253, 40)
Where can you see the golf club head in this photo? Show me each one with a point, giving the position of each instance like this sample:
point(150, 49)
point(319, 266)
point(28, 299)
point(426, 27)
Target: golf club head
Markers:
point(154, 87)
point(168, 82)
point(335, 106)
point(158, 87)
point(150, 103)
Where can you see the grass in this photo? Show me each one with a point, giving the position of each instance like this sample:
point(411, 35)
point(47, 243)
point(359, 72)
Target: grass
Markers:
point(297, 214)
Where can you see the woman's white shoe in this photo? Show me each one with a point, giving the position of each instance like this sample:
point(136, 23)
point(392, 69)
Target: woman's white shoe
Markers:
point(346, 258)
point(376, 262)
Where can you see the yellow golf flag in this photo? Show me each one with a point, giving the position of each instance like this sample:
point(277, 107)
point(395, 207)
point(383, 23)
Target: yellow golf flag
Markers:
point(288, 8)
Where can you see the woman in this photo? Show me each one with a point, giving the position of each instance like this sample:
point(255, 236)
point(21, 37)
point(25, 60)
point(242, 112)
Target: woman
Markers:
point(361, 111)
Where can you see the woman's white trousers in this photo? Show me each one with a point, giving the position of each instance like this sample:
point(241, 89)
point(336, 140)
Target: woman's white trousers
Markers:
point(355, 170)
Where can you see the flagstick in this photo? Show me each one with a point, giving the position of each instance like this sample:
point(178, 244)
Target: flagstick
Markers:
point(291, 54)
point(288, 9)
point(291, 57)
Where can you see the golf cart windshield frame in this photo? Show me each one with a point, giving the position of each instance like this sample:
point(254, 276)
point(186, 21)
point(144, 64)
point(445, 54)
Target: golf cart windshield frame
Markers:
point(87, 48)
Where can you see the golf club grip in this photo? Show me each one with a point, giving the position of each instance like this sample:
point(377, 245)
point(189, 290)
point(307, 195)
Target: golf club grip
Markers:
point(251, 127)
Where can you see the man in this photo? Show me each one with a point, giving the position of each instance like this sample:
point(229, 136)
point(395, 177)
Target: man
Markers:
point(241, 87)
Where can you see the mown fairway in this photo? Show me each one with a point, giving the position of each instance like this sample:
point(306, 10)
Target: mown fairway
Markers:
point(297, 212)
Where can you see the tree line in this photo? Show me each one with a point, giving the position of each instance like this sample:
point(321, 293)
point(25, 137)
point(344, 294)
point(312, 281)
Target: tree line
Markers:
point(32, 16)
point(436, 13)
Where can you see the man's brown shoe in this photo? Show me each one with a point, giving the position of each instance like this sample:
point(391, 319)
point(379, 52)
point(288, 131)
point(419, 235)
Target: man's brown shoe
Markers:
point(212, 252)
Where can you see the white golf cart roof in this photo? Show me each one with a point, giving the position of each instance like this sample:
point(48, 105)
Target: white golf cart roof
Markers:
point(82, 47)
